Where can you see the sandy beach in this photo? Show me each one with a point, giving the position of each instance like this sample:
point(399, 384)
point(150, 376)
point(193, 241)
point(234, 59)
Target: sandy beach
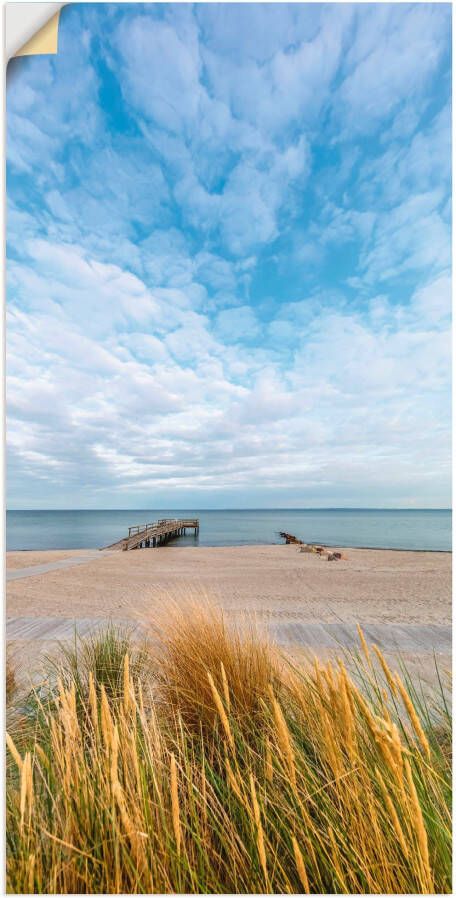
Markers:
point(304, 601)
point(18, 560)
point(278, 581)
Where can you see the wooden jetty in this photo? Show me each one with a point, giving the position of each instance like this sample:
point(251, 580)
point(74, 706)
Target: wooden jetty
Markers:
point(158, 533)
point(321, 551)
point(289, 538)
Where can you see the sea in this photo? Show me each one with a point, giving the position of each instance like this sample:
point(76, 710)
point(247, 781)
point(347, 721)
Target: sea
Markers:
point(369, 528)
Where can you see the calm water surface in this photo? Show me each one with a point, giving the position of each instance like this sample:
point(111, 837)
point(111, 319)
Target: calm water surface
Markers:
point(417, 529)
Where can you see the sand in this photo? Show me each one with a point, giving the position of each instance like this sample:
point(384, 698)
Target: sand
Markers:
point(27, 558)
point(281, 585)
point(370, 585)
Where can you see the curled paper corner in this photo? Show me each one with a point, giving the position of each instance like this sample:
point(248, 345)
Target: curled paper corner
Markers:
point(31, 28)
point(44, 41)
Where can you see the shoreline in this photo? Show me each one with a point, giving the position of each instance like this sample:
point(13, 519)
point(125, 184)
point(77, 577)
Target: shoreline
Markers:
point(240, 546)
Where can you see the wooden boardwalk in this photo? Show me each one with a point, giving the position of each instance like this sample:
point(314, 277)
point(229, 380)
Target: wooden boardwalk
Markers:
point(314, 635)
point(158, 533)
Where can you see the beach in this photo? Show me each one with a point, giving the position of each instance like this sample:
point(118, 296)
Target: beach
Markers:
point(310, 607)
point(403, 599)
point(368, 585)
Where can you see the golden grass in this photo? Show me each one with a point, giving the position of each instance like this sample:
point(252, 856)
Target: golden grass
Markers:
point(215, 769)
point(202, 659)
point(10, 679)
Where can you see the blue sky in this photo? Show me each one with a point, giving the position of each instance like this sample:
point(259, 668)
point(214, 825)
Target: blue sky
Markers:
point(229, 258)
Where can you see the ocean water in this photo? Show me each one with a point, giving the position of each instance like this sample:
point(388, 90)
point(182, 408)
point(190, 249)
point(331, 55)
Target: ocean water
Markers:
point(397, 529)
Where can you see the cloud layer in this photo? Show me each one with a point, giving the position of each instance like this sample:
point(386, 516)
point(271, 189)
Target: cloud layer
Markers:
point(229, 258)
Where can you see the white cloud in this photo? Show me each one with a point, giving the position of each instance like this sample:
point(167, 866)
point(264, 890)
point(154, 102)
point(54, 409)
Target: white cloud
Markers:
point(411, 236)
point(292, 84)
point(419, 165)
point(163, 77)
point(392, 56)
point(130, 412)
point(244, 210)
point(237, 324)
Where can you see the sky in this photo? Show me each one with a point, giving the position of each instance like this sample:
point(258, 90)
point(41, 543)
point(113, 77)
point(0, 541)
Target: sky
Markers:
point(229, 258)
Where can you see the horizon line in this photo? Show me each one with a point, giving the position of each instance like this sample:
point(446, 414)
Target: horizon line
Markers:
point(255, 508)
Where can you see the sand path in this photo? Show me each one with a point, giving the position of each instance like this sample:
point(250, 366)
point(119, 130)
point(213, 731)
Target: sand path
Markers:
point(20, 573)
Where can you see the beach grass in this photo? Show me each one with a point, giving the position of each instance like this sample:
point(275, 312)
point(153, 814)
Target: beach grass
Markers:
point(10, 679)
point(205, 762)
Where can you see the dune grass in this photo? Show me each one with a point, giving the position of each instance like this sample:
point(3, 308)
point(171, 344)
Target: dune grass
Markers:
point(215, 766)
point(10, 679)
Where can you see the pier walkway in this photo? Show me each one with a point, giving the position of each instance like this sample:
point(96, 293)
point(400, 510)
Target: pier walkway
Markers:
point(158, 533)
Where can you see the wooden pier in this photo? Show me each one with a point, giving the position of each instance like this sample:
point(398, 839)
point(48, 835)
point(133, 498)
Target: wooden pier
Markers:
point(158, 533)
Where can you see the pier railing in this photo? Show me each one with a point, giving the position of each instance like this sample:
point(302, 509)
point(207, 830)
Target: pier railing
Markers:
point(180, 522)
point(140, 528)
point(156, 533)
